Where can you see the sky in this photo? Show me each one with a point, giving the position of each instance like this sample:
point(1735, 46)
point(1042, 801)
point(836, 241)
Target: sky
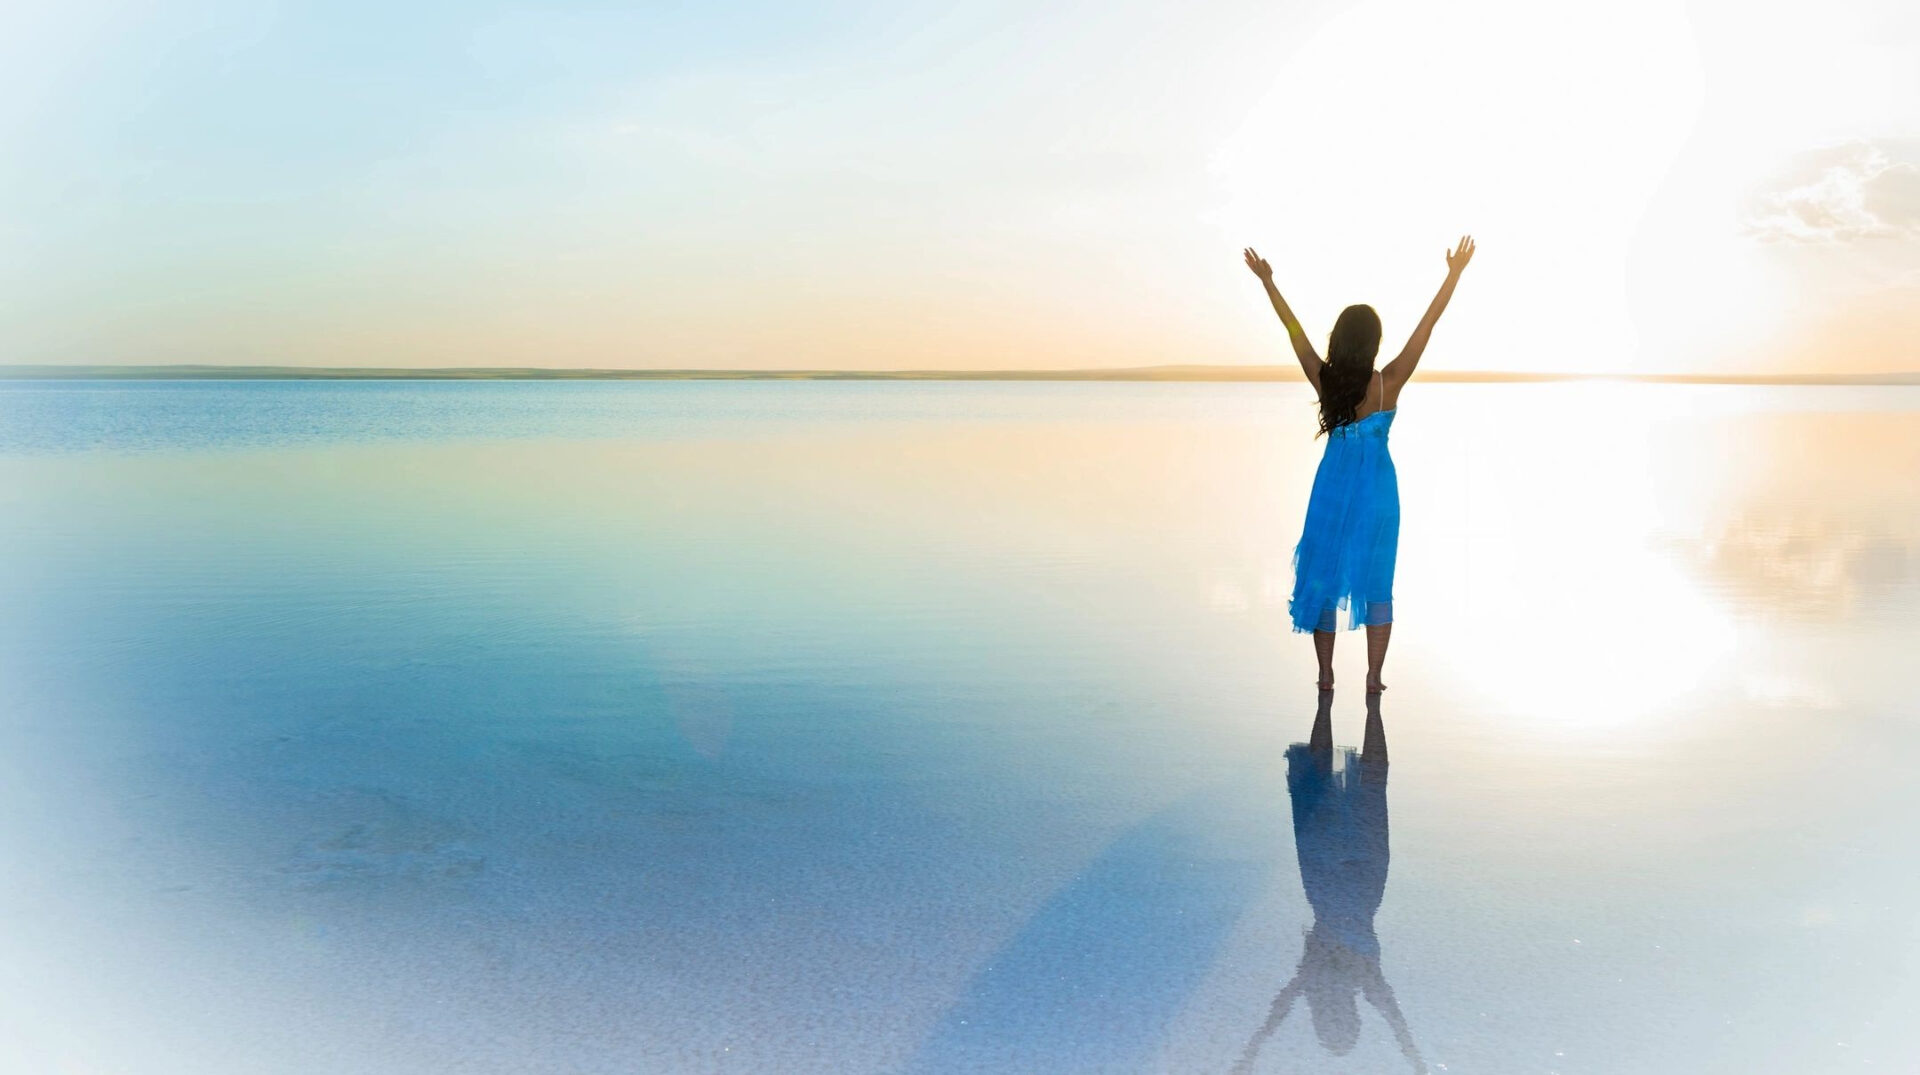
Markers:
point(1652, 186)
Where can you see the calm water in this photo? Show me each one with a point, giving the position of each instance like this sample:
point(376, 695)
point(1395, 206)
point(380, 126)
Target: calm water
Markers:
point(864, 727)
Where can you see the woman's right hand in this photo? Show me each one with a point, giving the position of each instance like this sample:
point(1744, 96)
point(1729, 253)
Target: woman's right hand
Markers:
point(1458, 257)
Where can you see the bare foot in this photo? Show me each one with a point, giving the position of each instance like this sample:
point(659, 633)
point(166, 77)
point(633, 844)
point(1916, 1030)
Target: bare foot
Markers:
point(1326, 682)
point(1374, 686)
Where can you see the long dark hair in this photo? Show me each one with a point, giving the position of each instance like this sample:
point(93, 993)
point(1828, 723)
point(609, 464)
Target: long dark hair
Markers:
point(1351, 349)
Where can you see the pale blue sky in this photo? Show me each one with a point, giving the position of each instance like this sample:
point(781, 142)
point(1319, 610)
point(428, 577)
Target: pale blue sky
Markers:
point(1652, 185)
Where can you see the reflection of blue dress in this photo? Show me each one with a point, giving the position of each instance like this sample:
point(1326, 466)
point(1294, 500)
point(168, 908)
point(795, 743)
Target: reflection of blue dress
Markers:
point(1346, 551)
point(1340, 833)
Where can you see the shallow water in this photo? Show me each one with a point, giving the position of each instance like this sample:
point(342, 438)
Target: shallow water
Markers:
point(846, 727)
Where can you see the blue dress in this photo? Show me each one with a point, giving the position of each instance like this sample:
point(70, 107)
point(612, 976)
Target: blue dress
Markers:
point(1346, 551)
point(1340, 835)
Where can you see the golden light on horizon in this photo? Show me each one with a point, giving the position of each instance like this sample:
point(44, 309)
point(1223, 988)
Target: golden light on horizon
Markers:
point(1655, 185)
point(1610, 162)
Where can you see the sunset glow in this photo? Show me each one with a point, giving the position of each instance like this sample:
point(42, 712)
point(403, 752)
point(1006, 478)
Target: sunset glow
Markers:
point(1656, 186)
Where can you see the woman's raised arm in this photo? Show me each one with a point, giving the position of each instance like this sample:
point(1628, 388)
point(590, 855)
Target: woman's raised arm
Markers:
point(1401, 368)
point(1282, 1004)
point(1380, 995)
point(1302, 348)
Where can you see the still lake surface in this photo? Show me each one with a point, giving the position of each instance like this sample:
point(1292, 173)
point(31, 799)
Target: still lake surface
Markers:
point(949, 727)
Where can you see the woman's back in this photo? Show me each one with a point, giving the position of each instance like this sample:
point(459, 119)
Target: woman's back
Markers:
point(1345, 558)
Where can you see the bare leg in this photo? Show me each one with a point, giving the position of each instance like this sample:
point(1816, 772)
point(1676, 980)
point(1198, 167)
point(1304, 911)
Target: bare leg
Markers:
point(1377, 635)
point(1323, 649)
point(1320, 740)
point(1374, 748)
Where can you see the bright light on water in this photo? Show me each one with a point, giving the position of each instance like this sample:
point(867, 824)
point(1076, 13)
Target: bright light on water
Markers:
point(851, 727)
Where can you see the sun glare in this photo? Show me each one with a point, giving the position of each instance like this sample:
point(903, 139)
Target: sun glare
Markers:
point(1598, 627)
point(1399, 126)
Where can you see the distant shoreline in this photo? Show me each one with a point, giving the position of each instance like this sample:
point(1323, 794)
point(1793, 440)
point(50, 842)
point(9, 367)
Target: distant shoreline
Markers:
point(1171, 374)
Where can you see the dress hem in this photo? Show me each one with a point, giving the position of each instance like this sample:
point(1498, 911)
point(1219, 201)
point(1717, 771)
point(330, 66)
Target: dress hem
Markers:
point(1378, 614)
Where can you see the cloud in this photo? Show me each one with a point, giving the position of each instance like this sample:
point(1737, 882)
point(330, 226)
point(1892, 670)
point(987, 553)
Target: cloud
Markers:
point(1812, 568)
point(1845, 193)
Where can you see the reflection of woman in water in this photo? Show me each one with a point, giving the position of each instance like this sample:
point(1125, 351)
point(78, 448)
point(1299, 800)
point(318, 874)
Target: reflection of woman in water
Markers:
point(1340, 833)
point(1346, 552)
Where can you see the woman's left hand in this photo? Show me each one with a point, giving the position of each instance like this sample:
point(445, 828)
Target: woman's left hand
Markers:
point(1259, 265)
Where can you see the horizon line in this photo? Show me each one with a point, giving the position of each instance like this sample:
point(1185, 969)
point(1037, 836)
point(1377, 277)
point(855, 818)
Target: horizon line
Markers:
point(1166, 373)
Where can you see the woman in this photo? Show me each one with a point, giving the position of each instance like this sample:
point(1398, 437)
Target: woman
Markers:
point(1346, 552)
point(1340, 836)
